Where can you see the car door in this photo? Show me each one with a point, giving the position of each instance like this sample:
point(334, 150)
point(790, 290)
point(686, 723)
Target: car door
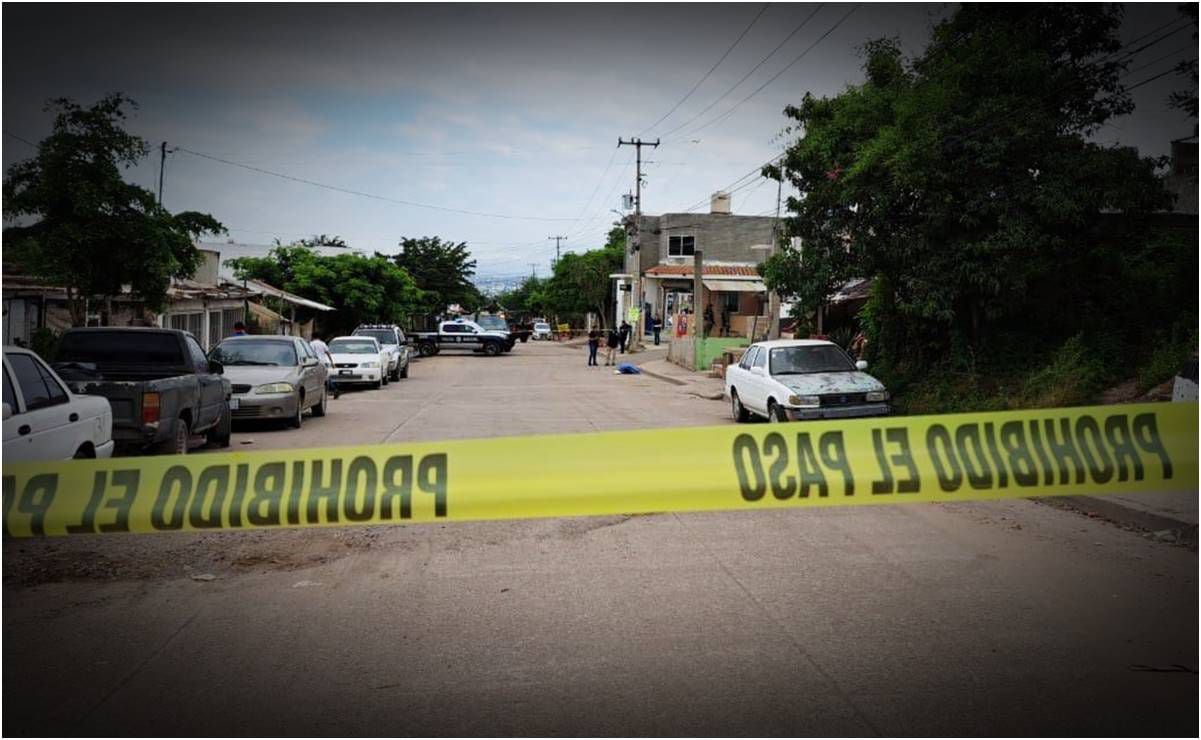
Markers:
point(316, 372)
point(739, 377)
point(211, 388)
point(47, 427)
point(759, 381)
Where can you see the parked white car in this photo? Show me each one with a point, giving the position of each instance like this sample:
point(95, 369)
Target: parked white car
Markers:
point(44, 420)
point(359, 360)
point(1184, 387)
point(541, 330)
point(795, 379)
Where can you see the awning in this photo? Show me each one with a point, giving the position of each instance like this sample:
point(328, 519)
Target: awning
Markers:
point(261, 287)
point(735, 286)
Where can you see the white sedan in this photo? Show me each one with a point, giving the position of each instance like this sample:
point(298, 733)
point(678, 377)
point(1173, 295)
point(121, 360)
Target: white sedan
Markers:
point(542, 330)
point(44, 420)
point(359, 360)
point(795, 379)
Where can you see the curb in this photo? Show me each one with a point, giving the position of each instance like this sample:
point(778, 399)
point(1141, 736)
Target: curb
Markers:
point(1180, 531)
point(666, 378)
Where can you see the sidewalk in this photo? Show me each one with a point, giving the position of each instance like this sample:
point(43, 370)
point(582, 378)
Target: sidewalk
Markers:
point(653, 362)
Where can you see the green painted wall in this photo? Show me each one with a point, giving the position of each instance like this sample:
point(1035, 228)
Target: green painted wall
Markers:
point(710, 349)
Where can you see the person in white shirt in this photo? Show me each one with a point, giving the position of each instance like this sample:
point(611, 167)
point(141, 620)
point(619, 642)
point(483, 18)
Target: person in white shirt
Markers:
point(322, 350)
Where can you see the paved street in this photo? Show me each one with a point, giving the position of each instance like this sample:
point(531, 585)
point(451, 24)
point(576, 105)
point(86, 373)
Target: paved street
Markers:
point(1007, 618)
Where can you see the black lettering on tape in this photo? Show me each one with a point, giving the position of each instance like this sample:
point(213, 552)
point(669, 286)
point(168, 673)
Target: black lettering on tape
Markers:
point(946, 464)
point(298, 493)
point(269, 482)
point(402, 489)
point(127, 479)
point(1063, 451)
point(783, 486)
point(903, 459)
point(811, 471)
point(886, 483)
point(319, 489)
point(1117, 434)
point(990, 441)
point(87, 520)
point(10, 497)
point(1020, 462)
point(177, 484)
point(211, 486)
point(748, 465)
point(235, 505)
point(432, 475)
point(35, 500)
point(834, 456)
point(1092, 447)
point(1036, 441)
point(969, 446)
point(1146, 435)
point(361, 468)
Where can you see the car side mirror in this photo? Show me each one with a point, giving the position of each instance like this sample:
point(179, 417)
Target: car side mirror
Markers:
point(216, 368)
point(861, 365)
point(8, 410)
point(308, 362)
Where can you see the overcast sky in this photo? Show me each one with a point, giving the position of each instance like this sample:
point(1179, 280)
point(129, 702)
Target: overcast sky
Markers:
point(510, 110)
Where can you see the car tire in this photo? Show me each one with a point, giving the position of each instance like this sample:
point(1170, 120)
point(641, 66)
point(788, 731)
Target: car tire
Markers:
point(774, 414)
point(319, 407)
point(297, 418)
point(404, 371)
point(523, 339)
point(379, 383)
point(425, 349)
point(491, 349)
point(383, 378)
point(85, 452)
point(737, 410)
point(220, 435)
point(181, 434)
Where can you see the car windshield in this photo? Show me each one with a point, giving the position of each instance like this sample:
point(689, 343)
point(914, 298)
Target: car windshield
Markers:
point(352, 347)
point(252, 352)
point(815, 359)
point(492, 323)
point(384, 336)
point(542, 327)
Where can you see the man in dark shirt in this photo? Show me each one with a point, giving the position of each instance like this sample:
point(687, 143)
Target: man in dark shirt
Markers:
point(614, 339)
point(623, 336)
point(593, 344)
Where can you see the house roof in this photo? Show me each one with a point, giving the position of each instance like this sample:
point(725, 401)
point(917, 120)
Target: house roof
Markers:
point(734, 271)
point(258, 286)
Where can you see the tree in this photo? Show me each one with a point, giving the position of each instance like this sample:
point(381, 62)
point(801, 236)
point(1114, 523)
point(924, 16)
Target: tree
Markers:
point(321, 240)
point(442, 270)
point(1186, 100)
point(968, 187)
point(362, 289)
point(78, 224)
point(581, 284)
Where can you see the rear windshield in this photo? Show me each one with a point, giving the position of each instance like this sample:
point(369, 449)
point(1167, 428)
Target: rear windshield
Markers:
point(384, 336)
point(252, 352)
point(120, 348)
point(492, 322)
point(351, 347)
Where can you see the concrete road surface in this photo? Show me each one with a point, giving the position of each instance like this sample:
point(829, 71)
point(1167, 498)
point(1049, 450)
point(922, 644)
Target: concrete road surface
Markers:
point(1007, 618)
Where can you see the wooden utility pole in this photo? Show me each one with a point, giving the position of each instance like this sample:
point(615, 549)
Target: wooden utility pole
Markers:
point(162, 161)
point(636, 291)
point(557, 240)
point(773, 298)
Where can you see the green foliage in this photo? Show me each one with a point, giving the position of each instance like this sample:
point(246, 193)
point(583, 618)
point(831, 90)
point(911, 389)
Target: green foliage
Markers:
point(1186, 99)
point(79, 224)
point(362, 289)
point(581, 284)
point(44, 342)
point(528, 298)
point(442, 270)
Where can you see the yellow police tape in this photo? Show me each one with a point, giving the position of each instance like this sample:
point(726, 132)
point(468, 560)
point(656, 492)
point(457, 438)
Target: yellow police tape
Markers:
point(966, 457)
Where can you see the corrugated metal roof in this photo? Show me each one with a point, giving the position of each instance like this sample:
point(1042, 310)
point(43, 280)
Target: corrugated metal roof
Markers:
point(748, 271)
point(735, 286)
point(271, 290)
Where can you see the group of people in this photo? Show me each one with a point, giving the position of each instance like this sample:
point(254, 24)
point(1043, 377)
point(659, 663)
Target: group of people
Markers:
point(615, 341)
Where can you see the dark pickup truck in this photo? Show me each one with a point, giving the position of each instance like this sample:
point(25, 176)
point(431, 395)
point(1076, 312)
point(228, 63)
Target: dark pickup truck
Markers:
point(492, 322)
point(161, 386)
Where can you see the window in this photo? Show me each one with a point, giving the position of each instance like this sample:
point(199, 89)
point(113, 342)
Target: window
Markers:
point(760, 359)
point(193, 323)
point(681, 246)
point(9, 396)
point(454, 328)
point(255, 352)
point(199, 361)
point(38, 386)
point(729, 302)
point(747, 358)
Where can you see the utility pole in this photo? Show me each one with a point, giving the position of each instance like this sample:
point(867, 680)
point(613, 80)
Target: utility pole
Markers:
point(533, 269)
point(162, 161)
point(773, 298)
point(636, 292)
point(557, 240)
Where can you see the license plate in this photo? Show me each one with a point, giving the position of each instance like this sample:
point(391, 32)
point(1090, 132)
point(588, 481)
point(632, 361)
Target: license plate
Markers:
point(345, 372)
point(233, 404)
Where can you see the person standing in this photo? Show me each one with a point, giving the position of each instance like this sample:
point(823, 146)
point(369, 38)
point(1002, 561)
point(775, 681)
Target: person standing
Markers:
point(614, 339)
point(725, 320)
point(708, 315)
point(593, 345)
point(239, 329)
point(322, 350)
point(656, 327)
point(623, 335)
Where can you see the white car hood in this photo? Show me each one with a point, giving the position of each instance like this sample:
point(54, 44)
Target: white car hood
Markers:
point(355, 358)
point(816, 384)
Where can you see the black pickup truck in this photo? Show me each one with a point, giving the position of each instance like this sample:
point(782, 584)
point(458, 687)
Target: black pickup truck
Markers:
point(461, 334)
point(161, 386)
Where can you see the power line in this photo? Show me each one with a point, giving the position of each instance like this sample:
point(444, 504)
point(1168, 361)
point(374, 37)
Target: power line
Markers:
point(1159, 59)
point(1153, 79)
point(21, 139)
point(717, 64)
point(372, 196)
point(763, 61)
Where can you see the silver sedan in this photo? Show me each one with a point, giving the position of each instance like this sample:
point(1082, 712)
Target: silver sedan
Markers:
point(273, 377)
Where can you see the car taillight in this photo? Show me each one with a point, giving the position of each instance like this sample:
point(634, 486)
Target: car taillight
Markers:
point(150, 408)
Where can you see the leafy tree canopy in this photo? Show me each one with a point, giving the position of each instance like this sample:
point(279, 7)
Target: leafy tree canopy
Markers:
point(362, 289)
point(77, 223)
point(442, 270)
point(963, 178)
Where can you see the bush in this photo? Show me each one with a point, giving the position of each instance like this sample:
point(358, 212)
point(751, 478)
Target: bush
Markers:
point(44, 342)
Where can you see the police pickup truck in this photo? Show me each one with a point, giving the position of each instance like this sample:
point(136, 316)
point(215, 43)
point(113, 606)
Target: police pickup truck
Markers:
point(461, 334)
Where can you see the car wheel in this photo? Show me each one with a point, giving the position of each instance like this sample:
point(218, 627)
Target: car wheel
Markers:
point(85, 452)
point(523, 339)
point(404, 371)
point(178, 443)
point(297, 418)
point(741, 415)
point(379, 383)
point(425, 350)
point(220, 434)
point(383, 378)
point(319, 407)
point(491, 349)
point(775, 414)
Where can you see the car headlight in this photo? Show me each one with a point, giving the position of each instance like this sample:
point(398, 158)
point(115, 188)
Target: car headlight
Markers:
point(275, 388)
point(804, 400)
point(369, 364)
point(877, 396)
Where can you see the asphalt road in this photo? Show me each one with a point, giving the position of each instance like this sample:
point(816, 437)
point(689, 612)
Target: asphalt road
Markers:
point(1007, 618)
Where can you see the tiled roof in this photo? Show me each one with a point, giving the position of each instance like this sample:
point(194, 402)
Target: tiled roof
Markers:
point(686, 270)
